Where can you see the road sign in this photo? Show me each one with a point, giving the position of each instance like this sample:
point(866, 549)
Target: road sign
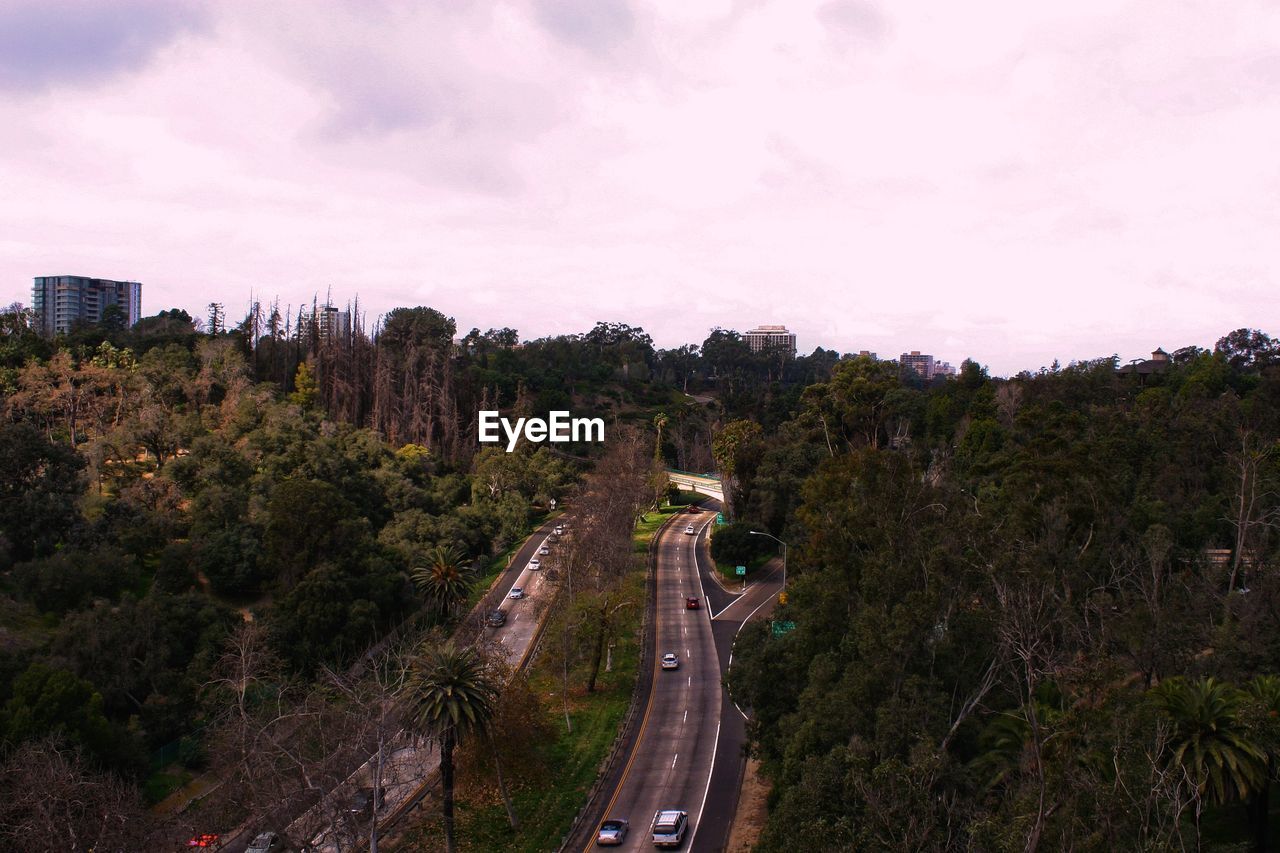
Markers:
point(782, 598)
point(719, 518)
point(780, 627)
point(742, 570)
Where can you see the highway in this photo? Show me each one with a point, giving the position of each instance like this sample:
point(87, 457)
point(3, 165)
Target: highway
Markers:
point(409, 761)
point(688, 751)
point(670, 765)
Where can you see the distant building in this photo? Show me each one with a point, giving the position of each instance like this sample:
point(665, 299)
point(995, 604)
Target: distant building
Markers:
point(921, 364)
point(770, 338)
point(61, 301)
point(1144, 367)
point(862, 353)
point(943, 368)
point(330, 323)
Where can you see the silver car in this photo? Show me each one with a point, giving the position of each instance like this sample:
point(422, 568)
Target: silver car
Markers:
point(265, 842)
point(612, 833)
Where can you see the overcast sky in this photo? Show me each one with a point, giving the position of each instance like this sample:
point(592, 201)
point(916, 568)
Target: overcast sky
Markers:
point(1009, 181)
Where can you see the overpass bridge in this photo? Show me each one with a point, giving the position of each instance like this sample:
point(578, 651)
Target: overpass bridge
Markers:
point(703, 484)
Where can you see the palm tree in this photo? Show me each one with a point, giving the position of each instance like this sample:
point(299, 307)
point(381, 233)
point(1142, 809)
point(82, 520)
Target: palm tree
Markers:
point(445, 581)
point(450, 694)
point(659, 421)
point(1209, 741)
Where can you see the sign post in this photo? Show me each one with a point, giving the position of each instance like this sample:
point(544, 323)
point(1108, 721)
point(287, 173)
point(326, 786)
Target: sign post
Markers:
point(742, 573)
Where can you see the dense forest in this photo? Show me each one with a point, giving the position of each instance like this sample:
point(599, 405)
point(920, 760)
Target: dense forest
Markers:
point(1035, 613)
point(1030, 613)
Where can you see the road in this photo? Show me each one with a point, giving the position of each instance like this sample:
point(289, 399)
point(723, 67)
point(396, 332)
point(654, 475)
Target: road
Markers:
point(688, 753)
point(406, 762)
point(670, 764)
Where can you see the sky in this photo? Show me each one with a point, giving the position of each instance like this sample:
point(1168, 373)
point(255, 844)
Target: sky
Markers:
point(1011, 182)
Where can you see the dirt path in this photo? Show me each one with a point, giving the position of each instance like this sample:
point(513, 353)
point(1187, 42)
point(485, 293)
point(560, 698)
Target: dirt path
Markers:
point(749, 820)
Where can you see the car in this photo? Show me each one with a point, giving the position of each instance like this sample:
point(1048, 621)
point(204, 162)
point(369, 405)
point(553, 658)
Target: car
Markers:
point(535, 564)
point(612, 833)
point(497, 618)
point(205, 839)
point(265, 842)
point(544, 550)
point(689, 530)
point(516, 592)
point(691, 603)
point(693, 508)
point(670, 661)
point(360, 805)
point(669, 827)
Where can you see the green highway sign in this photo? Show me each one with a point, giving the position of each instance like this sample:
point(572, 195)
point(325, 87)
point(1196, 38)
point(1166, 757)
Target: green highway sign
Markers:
point(780, 627)
point(719, 518)
point(742, 570)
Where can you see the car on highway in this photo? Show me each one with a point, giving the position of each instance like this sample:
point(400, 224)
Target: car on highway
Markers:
point(360, 805)
point(496, 618)
point(544, 550)
point(670, 661)
point(689, 530)
point(691, 603)
point(693, 508)
point(265, 842)
point(516, 592)
point(559, 531)
point(669, 827)
point(205, 839)
point(535, 564)
point(613, 832)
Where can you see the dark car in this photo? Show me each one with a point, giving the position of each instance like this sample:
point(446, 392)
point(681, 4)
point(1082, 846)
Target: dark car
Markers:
point(612, 833)
point(497, 618)
point(360, 806)
point(691, 603)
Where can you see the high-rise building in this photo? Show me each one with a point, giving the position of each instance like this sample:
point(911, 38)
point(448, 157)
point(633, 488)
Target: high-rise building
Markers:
point(330, 324)
point(334, 323)
point(764, 338)
point(921, 364)
point(944, 368)
point(61, 301)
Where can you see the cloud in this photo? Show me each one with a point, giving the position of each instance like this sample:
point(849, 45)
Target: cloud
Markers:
point(597, 26)
point(45, 44)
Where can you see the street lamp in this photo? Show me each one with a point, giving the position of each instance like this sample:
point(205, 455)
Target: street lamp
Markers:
point(784, 554)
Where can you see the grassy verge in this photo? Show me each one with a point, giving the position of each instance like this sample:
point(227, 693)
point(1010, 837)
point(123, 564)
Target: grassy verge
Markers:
point(554, 788)
point(729, 571)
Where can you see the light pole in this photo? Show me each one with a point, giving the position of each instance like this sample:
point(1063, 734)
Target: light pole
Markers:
point(784, 554)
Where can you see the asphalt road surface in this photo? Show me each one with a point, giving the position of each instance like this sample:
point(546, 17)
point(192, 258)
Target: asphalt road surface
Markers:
point(688, 754)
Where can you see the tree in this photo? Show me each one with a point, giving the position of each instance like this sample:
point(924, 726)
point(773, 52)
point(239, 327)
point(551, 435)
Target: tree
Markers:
point(445, 581)
point(450, 696)
point(1209, 743)
point(40, 483)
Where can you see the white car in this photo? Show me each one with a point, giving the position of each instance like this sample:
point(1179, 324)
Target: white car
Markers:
point(689, 530)
point(544, 550)
point(535, 564)
point(516, 592)
point(670, 661)
point(559, 531)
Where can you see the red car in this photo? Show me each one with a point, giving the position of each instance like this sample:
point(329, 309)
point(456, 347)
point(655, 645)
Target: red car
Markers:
point(208, 839)
point(691, 603)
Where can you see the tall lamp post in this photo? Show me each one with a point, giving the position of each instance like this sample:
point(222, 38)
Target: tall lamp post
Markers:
point(784, 554)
